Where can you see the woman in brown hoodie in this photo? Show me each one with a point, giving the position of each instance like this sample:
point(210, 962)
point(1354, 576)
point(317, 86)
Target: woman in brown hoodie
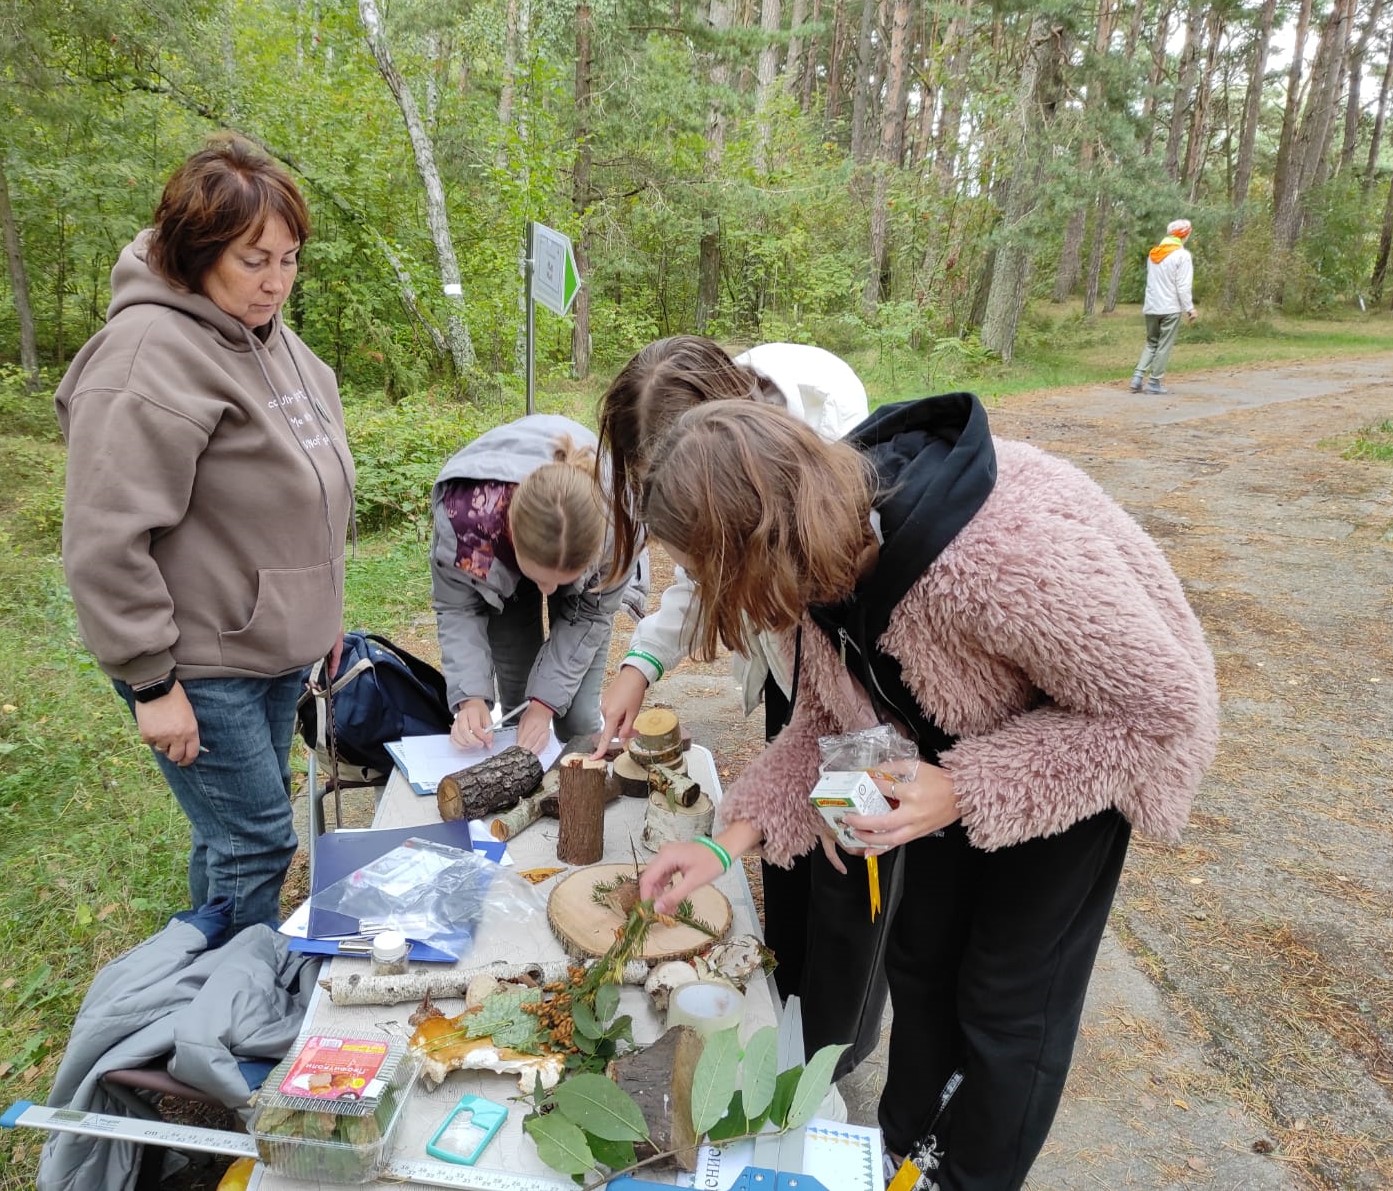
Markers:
point(209, 493)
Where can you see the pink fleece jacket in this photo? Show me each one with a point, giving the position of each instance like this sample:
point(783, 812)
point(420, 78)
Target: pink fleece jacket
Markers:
point(1054, 641)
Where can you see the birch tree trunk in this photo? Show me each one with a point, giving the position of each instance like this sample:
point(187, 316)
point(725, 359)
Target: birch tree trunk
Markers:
point(580, 189)
point(889, 153)
point(1252, 111)
point(19, 287)
point(456, 332)
point(769, 17)
point(1011, 273)
point(511, 19)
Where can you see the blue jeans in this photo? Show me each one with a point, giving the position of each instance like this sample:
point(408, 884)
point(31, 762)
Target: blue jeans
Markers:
point(237, 794)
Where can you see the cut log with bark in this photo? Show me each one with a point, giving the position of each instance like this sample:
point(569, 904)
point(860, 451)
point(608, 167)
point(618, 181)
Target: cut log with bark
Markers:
point(676, 787)
point(657, 737)
point(581, 801)
point(491, 786)
point(630, 778)
point(518, 818)
point(659, 1078)
point(551, 788)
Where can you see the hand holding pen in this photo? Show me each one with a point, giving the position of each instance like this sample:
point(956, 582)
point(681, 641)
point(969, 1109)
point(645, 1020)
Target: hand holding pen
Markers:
point(474, 726)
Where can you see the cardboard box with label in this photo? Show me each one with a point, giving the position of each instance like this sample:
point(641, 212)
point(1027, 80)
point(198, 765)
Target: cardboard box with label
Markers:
point(839, 791)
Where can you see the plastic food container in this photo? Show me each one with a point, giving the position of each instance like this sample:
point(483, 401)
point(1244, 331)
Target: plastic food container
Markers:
point(330, 1109)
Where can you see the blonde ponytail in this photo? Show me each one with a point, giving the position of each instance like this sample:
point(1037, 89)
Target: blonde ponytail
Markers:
point(557, 514)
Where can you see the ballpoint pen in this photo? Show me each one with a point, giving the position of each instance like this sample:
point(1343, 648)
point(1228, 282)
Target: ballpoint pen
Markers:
point(517, 711)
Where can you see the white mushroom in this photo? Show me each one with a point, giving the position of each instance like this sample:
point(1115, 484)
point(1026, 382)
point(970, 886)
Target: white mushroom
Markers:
point(664, 978)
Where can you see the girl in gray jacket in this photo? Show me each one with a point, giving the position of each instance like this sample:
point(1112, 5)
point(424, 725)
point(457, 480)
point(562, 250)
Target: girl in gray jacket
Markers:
point(518, 516)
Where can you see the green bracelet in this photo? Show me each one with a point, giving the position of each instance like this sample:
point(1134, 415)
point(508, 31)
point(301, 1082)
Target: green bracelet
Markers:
point(721, 854)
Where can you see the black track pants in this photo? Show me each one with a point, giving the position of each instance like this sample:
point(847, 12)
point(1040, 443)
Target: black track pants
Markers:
point(989, 958)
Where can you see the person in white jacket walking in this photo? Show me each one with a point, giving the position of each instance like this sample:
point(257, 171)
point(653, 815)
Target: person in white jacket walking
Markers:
point(663, 381)
point(1170, 274)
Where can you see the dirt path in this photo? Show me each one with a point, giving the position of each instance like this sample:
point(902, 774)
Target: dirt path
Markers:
point(1239, 1032)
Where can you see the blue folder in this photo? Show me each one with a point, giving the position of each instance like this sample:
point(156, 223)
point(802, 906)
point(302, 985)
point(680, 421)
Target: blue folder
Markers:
point(336, 854)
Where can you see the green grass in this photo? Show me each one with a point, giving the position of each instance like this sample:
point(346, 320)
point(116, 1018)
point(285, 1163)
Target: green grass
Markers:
point(92, 845)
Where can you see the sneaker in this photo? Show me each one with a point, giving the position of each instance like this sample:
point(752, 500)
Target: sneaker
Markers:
point(1135, 386)
point(1156, 387)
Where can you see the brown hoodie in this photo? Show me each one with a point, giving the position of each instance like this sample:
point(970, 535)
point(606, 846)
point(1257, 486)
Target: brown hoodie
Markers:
point(209, 488)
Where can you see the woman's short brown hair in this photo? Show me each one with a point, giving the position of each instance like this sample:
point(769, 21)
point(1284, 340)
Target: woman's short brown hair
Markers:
point(769, 516)
point(664, 380)
point(226, 189)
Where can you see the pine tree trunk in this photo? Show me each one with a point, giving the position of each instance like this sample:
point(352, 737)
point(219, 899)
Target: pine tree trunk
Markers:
point(861, 105)
point(793, 65)
point(1010, 283)
point(1180, 101)
point(581, 802)
point(437, 217)
point(1376, 136)
point(1356, 73)
point(709, 248)
point(580, 191)
point(889, 154)
point(769, 17)
point(1252, 111)
point(1197, 139)
point(1281, 174)
point(1385, 242)
point(1095, 257)
point(19, 286)
point(1119, 263)
point(491, 786)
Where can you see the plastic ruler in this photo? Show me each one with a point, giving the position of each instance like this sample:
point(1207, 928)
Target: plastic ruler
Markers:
point(242, 1145)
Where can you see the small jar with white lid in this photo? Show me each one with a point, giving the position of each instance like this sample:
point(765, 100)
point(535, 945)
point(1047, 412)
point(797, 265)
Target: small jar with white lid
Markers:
point(389, 953)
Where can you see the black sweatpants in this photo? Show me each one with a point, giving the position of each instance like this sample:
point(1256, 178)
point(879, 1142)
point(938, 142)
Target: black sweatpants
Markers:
point(817, 923)
point(989, 958)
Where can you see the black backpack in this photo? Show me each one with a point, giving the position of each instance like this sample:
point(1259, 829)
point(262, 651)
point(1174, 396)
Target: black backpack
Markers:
point(380, 693)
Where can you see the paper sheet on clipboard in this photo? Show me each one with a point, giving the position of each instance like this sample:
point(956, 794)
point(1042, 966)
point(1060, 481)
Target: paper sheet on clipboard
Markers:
point(426, 759)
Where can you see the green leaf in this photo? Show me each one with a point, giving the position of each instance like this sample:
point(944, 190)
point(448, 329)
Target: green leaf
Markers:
point(606, 1001)
point(784, 1087)
point(734, 1124)
point(715, 1079)
point(598, 1106)
point(585, 1020)
point(617, 1155)
point(560, 1143)
point(760, 1070)
point(812, 1087)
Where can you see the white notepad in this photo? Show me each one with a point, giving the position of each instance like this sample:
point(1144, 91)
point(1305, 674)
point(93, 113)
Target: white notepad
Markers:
point(426, 759)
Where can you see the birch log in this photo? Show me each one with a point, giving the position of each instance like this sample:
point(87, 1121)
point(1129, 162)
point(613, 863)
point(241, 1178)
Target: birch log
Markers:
point(438, 981)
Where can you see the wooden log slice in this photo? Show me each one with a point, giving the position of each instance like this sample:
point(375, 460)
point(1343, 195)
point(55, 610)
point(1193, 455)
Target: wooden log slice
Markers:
point(656, 729)
point(586, 930)
point(630, 777)
point(664, 824)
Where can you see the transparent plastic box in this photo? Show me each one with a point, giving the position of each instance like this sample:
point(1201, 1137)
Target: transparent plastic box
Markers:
point(330, 1109)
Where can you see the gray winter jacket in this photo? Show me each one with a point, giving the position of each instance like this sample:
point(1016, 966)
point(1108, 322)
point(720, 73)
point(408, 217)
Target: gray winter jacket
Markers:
point(510, 453)
point(210, 1007)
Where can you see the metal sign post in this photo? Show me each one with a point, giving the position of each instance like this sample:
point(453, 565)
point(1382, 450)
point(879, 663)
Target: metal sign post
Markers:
point(552, 279)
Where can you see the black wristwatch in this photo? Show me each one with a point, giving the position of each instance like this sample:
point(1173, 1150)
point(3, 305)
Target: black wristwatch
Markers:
point(151, 691)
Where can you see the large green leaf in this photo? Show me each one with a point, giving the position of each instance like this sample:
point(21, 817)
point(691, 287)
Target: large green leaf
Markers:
point(586, 1024)
point(598, 1106)
point(784, 1088)
point(716, 1078)
point(560, 1144)
point(617, 1155)
point(812, 1087)
point(606, 1001)
point(760, 1070)
point(734, 1124)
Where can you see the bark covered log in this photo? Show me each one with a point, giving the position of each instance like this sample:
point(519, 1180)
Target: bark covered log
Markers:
point(581, 801)
point(490, 786)
point(659, 1078)
point(518, 818)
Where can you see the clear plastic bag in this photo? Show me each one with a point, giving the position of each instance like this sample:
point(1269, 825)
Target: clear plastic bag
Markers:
point(432, 893)
point(880, 751)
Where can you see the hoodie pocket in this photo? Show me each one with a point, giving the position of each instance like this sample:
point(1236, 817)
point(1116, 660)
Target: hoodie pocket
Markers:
point(294, 621)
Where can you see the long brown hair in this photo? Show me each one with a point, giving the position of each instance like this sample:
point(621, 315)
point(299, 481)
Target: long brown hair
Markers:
point(769, 516)
point(663, 381)
point(226, 189)
point(556, 516)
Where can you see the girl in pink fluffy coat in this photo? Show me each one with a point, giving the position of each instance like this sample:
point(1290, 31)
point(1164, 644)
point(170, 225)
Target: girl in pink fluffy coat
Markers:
point(993, 604)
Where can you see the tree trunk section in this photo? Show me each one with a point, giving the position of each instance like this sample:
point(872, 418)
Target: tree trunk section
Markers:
point(888, 155)
point(1119, 263)
point(659, 1079)
point(491, 786)
point(581, 801)
point(1011, 275)
point(1356, 73)
point(709, 249)
point(861, 98)
point(793, 65)
point(437, 217)
point(1281, 175)
point(769, 18)
point(506, 91)
point(19, 286)
point(1095, 257)
point(1385, 242)
point(1180, 101)
point(1252, 111)
point(1376, 136)
point(580, 190)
